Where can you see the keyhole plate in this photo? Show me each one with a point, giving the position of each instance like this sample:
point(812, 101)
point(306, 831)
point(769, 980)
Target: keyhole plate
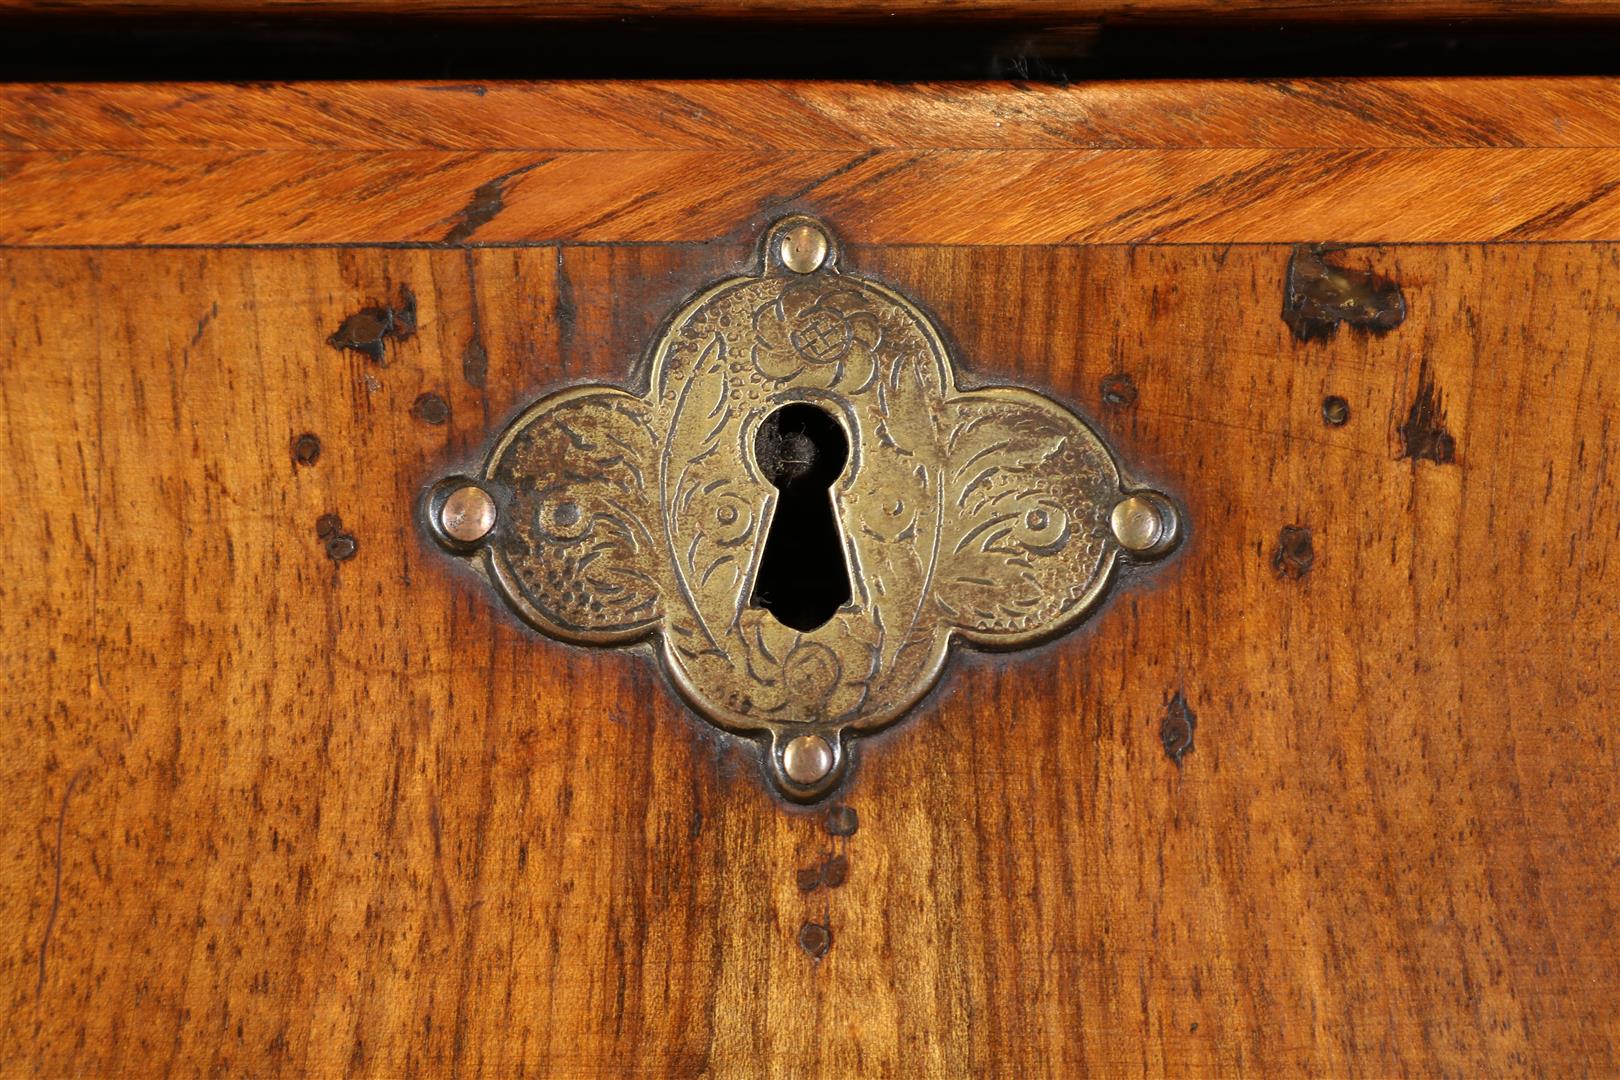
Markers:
point(995, 517)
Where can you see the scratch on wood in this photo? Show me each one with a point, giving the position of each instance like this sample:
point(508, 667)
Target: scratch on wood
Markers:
point(56, 894)
point(1318, 295)
point(202, 324)
point(488, 199)
point(564, 310)
point(1424, 436)
point(475, 363)
point(474, 357)
point(436, 827)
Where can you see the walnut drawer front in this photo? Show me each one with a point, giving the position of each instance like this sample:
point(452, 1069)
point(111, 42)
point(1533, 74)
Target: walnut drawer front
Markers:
point(1332, 793)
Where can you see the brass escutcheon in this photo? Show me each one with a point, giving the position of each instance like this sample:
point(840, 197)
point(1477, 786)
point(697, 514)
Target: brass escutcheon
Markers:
point(992, 516)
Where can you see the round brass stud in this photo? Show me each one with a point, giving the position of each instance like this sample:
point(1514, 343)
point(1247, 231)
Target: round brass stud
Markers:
point(468, 514)
point(1144, 524)
point(807, 758)
point(803, 249)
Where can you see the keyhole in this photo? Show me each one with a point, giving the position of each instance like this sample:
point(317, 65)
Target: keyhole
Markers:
point(803, 575)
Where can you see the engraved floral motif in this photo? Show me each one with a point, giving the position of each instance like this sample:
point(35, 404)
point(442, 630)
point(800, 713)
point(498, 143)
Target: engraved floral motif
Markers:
point(817, 333)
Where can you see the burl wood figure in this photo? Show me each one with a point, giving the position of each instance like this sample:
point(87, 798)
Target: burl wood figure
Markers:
point(1325, 785)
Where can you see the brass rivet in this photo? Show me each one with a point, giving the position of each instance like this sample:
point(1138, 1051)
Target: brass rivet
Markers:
point(468, 514)
point(1143, 524)
point(804, 249)
point(807, 759)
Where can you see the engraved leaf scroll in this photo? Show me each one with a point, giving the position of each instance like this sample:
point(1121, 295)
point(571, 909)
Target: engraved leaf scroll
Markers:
point(988, 514)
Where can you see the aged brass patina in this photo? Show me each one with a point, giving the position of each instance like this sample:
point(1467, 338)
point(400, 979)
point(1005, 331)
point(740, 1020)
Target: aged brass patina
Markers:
point(994, 516)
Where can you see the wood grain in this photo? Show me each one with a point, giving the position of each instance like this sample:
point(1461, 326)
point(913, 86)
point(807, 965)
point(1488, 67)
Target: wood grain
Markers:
point(1378, 161)
point(278, 814)
point(807, 116)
